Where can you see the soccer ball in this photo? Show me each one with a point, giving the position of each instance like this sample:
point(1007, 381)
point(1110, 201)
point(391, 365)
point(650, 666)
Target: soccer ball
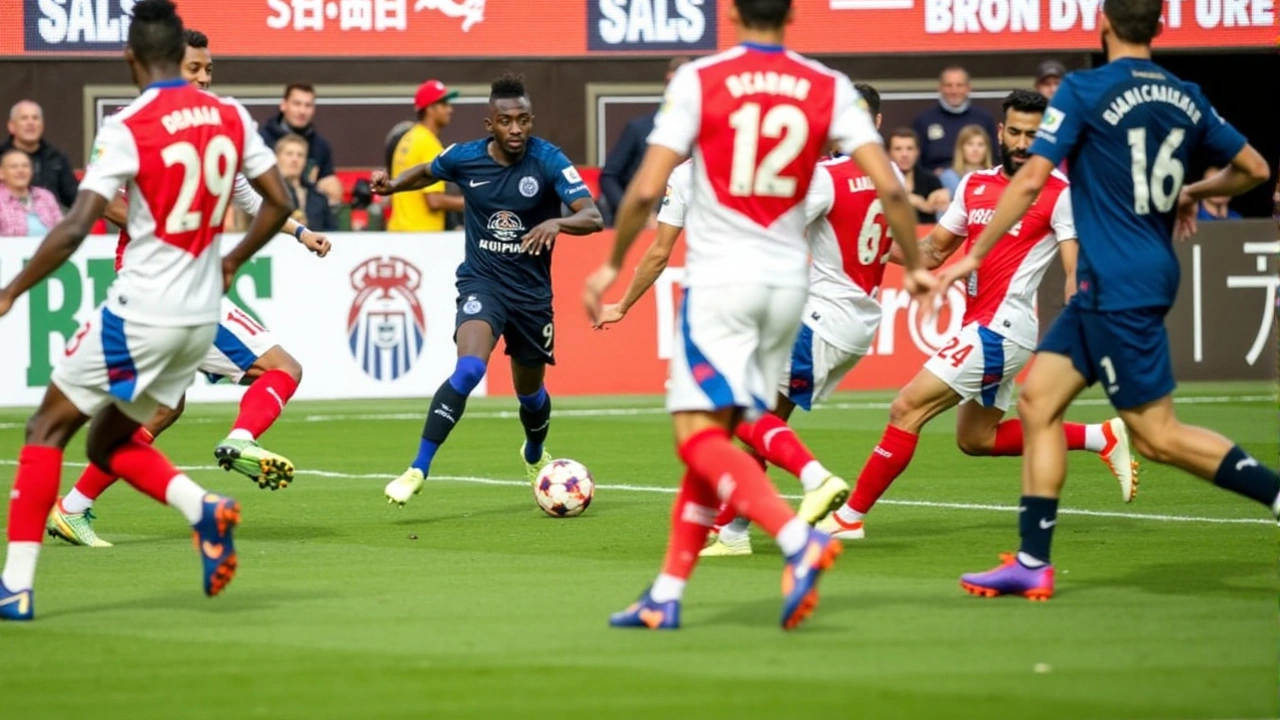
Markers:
point(564, 488)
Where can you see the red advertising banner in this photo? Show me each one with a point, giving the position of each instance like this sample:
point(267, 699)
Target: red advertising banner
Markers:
point(630, 357)
point(574, 28)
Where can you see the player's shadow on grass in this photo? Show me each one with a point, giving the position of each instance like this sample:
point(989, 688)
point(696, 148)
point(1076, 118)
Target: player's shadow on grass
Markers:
point(1219, 578)
point(430, 517)
point(832, 613)
point(238, 600)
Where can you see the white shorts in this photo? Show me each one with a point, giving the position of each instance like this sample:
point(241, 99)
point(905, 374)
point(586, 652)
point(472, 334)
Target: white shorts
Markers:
point(137, 367)
point(731, 345)
point(240, 341)
point(815, 369)
point(980, 364)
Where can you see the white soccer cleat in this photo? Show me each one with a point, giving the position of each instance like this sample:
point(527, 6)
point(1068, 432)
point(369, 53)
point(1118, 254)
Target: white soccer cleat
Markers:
point(1118, 455)
point(404, 487)
point(726, 547)
point(823, 500)
point(841, 530)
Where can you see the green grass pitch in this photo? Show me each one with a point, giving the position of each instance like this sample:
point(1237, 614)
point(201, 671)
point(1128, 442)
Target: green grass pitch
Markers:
point(470, 603)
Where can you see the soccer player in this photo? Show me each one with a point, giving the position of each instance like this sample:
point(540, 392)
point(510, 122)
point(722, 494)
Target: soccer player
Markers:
point(177, 149)
point(756, 119)
point(512, 185)
point(976, 367)
point(840, 318)
point(243, 351)
point(1128, 131)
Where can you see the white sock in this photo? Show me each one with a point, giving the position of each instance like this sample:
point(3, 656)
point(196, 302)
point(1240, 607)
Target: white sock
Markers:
point(20, 566)
point(76, 502)
point(736, 529)
point(793, 537)
point(241, 434)
point(812, 475)
point(1275, 507)
point(849, 515)
point(667, 588)
point(1028, 561)
point(187, 497)
point(1094, 440)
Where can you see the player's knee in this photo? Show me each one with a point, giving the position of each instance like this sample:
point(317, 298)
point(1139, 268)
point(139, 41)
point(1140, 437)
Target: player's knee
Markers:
point(904, 414)
point(975, 445)
point(289, 365)
point(467, 374)
point(1160, 447)
point(1033, 406)
point(47, 430)
point(166, 417)
point(98, 454)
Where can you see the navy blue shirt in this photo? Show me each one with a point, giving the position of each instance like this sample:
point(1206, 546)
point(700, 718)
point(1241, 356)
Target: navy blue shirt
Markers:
point(503, 203)
point(1128, 131)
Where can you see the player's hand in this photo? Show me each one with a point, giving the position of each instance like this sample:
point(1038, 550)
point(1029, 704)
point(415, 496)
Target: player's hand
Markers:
point(541, 237)
point(598, 283)
point(315, 242)
point(924, 287)
point(6, 303)
point(380, 182)
point(609, 314)
point(1185, 223)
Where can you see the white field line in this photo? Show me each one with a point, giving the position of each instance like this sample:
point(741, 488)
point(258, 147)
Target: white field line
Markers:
point(980, 507)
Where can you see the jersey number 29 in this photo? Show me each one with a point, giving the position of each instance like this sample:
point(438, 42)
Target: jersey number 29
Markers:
point(761, 178)
point(1148, 191)
point(216, 171)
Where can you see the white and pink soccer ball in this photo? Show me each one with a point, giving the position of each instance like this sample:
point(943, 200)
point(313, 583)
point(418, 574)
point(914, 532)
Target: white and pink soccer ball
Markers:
point(564, 488)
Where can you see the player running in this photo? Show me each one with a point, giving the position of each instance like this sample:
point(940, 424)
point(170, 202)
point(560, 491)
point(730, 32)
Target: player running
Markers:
point(756, 120)
point(1128, 131)
point(512, 184)
point(840, 318)
point(177, 149)
point(976, 367)
point(243, 351)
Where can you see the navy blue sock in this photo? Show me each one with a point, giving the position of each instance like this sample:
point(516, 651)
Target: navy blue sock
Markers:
point(447, 406)
point(1242, 474)
point(535, 415)
point(1037, 516)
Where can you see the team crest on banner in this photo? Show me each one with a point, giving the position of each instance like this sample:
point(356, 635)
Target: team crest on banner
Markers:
point(386, 328)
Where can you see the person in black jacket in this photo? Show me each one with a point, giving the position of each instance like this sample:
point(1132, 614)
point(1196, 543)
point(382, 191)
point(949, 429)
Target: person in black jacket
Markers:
point(624, 159)
point(938, 126)
point(297, 111)
point(50, 167)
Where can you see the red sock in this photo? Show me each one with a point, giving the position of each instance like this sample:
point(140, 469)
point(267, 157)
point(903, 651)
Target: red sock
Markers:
point(745, 432)
point(779, 445)
point(94, 480)
point(35, 490)
point(691, 518)
point(1075, 433)
point(1008, 439)
point(726, 515)
point(886, 463)
point(145, 468)
point(736, 478)
point(264, 401)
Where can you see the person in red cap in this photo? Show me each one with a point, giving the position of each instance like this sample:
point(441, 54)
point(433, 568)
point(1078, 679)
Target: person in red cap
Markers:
point(424, 210)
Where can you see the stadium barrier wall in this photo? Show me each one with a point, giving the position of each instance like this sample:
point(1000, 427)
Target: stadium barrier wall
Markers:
point(375, 318)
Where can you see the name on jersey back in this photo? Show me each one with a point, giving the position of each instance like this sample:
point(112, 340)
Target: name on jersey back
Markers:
point(1133, 97)
point(768, 83)
point(186, 118)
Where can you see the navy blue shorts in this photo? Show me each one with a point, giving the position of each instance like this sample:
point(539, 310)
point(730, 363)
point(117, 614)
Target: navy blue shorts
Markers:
point(1126, 350)
point(528, 328)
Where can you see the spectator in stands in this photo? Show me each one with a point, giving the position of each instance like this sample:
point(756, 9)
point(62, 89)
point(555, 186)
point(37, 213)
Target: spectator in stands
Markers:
point(25, 210)
point(424, 210)
point(297, 115)
point(1215, 208)
point(624, 159)
point(928, 196)
point(50, 168)
point(973, 152)
point(1049, 76)
point(938, 126)
point(311, 208)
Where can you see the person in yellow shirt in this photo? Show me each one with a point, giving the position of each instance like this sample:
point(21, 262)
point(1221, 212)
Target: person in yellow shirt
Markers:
point(424, 210)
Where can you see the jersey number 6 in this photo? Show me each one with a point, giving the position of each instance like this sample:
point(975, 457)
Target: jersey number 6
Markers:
point(219, 164)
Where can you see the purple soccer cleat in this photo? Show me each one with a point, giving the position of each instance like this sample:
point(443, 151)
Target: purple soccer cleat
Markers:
point(1011, 578)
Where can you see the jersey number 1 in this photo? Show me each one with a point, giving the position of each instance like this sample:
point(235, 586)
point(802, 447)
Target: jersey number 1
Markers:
point(217, 171)
point(747, 177)
point(1147, 191)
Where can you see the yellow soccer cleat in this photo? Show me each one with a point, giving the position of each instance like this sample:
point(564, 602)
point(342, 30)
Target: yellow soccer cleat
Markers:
point(75, 528)
point(399, 491)
point(531, 469)
point(728, 546)
point(823, 500)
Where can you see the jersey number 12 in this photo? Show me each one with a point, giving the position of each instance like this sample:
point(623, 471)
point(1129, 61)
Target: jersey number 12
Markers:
point(746, 177)
point(1149, 190)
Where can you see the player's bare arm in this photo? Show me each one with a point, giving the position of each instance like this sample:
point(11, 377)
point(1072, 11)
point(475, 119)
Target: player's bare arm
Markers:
point(271, 217)
point(586, 219)
point(415, 178)
point(934, 248)
point(652, 264)
point(1247, 170)
point(1069, 251)
point(646, 189)
point(58, 246)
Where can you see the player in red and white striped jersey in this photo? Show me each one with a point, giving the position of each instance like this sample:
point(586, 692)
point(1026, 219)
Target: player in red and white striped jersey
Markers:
point(243, 351)
point(177, 149)
point(976, 367)
point(756, 120)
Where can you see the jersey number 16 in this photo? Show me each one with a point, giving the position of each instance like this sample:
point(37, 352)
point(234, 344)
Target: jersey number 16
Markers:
point(748, 177)
point(1148, 191)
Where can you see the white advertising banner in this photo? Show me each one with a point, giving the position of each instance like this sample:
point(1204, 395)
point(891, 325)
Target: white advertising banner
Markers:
point(373, 319)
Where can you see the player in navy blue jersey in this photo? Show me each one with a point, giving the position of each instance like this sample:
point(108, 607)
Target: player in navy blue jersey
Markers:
point(1128, 131)
point(513, 185)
